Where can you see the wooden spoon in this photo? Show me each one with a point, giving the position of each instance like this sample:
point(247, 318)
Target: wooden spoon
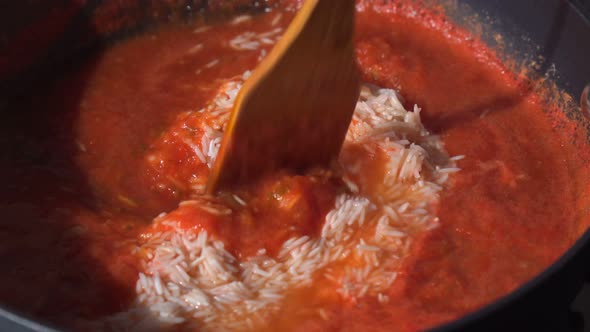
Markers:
point(295, 109)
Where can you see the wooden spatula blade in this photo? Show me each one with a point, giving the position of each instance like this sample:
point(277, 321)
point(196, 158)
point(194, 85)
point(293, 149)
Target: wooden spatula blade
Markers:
point(295, 109)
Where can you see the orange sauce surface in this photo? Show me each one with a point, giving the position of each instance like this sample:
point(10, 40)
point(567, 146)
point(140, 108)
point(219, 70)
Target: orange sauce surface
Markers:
point(77, 190)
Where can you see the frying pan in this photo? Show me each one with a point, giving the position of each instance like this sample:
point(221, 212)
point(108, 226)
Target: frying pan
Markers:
point(39, 38)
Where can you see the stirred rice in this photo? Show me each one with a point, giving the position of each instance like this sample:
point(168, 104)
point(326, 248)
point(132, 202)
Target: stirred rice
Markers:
point(191, 281)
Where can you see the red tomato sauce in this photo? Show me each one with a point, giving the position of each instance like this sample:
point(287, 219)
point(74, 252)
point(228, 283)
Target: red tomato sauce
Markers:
point(78, 191)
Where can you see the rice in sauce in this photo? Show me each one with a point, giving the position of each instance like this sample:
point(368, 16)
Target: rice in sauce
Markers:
point(192, 281)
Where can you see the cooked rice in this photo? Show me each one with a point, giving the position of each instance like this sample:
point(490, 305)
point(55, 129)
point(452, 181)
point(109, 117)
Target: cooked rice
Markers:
point(276, 19)
point(249, 40)
point(191, 281)
point(241, 19)
point(195, 49)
